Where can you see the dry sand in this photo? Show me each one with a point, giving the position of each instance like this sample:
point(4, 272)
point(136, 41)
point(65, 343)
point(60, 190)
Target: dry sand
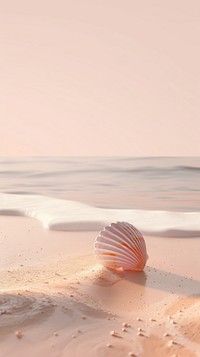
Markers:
point(56, 300)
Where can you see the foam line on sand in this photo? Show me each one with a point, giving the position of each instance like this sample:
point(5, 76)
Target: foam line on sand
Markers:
point(56, 214)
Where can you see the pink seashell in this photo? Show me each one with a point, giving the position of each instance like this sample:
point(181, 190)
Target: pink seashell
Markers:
point(121, 246)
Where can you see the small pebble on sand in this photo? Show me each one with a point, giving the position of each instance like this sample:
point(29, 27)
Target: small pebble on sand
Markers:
point(19, 334)
point(109, 345)
point(83, 317)
point(166, 334)
point(140, 334)
point(55, 273)
point(3, 312)
point(139, 319)
point(114, 334)
point(56, 334)
point(171, 343)
point(131, 354)
point(124, 329)
point(173, 322)
point(151, 319)
point(125, 324)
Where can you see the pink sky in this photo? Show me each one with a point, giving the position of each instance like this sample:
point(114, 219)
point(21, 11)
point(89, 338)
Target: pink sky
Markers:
point(100, 77)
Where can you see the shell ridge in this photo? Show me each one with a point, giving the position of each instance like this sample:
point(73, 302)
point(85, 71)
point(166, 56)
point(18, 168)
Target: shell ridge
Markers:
point(118, 244)
point(130, 234)
point(118, 230)
point(110, 248)
point(121, 245)
point(111, 235)
point(114, 238)
point(140, 241)
point(121, 263)
point(105, 253)
point(121, 260)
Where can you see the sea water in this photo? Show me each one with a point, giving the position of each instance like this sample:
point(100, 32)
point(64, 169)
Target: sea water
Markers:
point(158, 195)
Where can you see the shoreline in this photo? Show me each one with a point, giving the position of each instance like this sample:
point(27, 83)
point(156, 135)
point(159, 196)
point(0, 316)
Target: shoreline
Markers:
point(65, 304)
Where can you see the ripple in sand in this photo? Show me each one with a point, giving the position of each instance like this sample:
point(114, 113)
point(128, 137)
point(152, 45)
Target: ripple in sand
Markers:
point(182, 304)
point(17, 310)
point(191, 330)
point(155, 346)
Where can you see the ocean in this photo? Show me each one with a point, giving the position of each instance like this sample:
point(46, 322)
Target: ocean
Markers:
point(160, 194)
point(161, 183)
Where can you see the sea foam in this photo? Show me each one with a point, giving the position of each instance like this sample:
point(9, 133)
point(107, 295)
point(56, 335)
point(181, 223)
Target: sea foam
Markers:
point(64, 215)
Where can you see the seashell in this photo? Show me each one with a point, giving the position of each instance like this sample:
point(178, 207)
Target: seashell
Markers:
point(121, 246)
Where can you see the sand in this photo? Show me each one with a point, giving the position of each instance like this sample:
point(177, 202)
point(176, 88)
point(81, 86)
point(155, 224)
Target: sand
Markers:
point(56, 300)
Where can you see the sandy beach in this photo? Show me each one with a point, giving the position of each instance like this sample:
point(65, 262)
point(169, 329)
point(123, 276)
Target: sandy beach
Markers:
point(56, 300)
point(99, 115)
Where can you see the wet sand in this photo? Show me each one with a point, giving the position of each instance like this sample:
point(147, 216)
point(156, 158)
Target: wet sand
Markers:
point(56, 300)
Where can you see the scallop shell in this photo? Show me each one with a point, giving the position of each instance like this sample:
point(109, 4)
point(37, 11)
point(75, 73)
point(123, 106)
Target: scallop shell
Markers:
point(121, 246)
